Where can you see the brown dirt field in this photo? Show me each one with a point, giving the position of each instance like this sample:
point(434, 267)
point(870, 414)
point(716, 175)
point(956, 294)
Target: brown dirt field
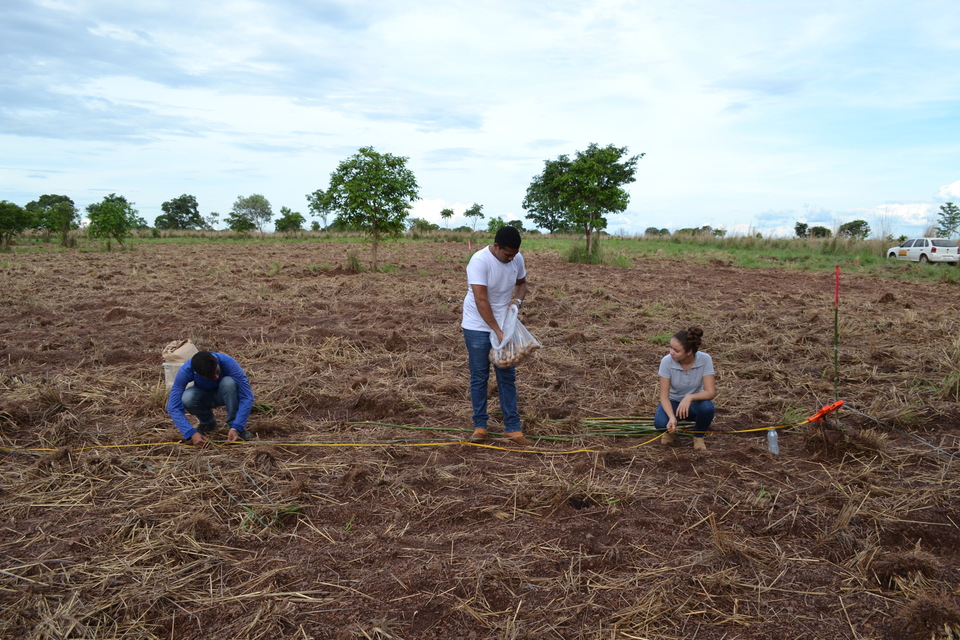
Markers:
point(381, 532)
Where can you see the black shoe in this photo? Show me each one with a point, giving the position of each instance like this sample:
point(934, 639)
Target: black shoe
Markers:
point(206, 428)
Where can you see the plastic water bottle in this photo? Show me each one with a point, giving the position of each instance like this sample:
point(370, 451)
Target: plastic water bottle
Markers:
point(773, 442)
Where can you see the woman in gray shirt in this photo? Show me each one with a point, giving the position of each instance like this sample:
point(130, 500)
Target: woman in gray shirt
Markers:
point(687, 387)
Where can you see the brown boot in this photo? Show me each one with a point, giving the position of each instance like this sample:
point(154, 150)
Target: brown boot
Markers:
point(479, 435)
point(517, 438)
point(667, 439)
point(699, 444)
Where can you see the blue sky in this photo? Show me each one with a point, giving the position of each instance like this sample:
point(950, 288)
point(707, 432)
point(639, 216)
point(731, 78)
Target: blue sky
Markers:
point(752, 114)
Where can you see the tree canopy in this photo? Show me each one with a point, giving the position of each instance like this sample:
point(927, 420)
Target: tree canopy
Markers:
point(948, 220)
point(55, 214)
point(371, 191)
point(446, 214)
point(180, 213)
point(801, 229)
point(856, 229)
point(476, 212)
point(112, 218)
point(290, 221)
point(582, 191)
point(250, 212)
point(14, 220)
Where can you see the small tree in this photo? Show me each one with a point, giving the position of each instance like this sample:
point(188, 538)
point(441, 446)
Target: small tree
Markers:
point(820, 232)
point(855, 229)
point(112, 218)
point(586, 189)
point(180, 213)
point(314, 225)
point(801, 229)
point(422, 224)
point(55, 214)
point(516, 224)
point(14, 220)
point(239, 222)
point(494, 224)
point(446, 214)
point(255, 209)
point(475, 212)
point(290, 221)
point(319, 205)
point(948, 220)
point(372, 191)
point(211, 221)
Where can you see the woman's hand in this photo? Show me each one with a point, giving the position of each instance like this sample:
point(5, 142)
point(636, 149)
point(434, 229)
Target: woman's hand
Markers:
point(683, 409)
point(672, 425)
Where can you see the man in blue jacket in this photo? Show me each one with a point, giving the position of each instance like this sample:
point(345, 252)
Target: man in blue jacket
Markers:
point(218, 381)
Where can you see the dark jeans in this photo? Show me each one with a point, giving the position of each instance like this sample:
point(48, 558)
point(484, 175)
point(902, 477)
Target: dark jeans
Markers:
point(701, 412)
point(478, 351)
point(201, 403)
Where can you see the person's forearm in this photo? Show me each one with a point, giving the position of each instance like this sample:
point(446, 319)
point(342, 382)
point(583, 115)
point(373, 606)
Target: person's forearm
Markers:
point(521, 291)
point(666, 404)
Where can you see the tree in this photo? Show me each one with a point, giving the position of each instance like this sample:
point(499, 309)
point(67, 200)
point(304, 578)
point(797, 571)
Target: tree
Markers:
point(55, 214)
point(494, 224)
point(211, 221)
point(516, 224)
point(180, 213)
point(820, 232)
point(255, 209)
point(476, 212)
point(856, 229)
point(14, 220)
point(422, 224)
point(584, 190)
point(314, 225)
point(372, 191)
point(239, 222)
point(801, 229)
point(318, 205)
point(948, 219)
point(112, 218)
point(446, 214)
point(290, 221)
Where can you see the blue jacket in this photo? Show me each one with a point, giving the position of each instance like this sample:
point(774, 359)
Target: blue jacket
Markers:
point(228, 367)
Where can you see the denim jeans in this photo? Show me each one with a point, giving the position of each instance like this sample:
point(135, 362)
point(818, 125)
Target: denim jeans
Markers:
point(701, 412)
point(478, 351)
point(201, 403)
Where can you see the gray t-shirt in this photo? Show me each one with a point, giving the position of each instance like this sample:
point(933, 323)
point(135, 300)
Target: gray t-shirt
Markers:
point(684, 382)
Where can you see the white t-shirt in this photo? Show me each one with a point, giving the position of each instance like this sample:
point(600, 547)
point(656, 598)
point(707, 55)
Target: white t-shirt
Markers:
point(499, 278)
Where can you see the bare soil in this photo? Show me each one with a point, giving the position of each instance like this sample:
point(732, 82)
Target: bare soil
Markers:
point(359, 513)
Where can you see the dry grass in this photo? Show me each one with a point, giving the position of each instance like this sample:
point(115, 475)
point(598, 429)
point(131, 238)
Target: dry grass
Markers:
point(853, 531)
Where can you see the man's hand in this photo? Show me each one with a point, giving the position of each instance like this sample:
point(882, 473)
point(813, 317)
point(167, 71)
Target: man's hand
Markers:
point(233, 435)
point(199, 440)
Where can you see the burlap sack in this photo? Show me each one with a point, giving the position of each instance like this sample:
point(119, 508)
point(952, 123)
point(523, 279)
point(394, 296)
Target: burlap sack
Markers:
point(179, 351)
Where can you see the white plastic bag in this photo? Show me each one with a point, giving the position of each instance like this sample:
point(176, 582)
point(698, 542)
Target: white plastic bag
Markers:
point(517, 343)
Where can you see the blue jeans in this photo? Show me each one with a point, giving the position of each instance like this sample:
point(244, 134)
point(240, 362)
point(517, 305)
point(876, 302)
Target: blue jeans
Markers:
point(478, 351)
point(201, 403)
point(701, 412)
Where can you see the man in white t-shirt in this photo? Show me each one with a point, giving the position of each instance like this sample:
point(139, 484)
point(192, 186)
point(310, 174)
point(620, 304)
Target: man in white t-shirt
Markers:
point(492, 275)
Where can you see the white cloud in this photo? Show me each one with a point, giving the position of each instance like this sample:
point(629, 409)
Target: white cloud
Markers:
point(747, 111)
point(950, 191)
